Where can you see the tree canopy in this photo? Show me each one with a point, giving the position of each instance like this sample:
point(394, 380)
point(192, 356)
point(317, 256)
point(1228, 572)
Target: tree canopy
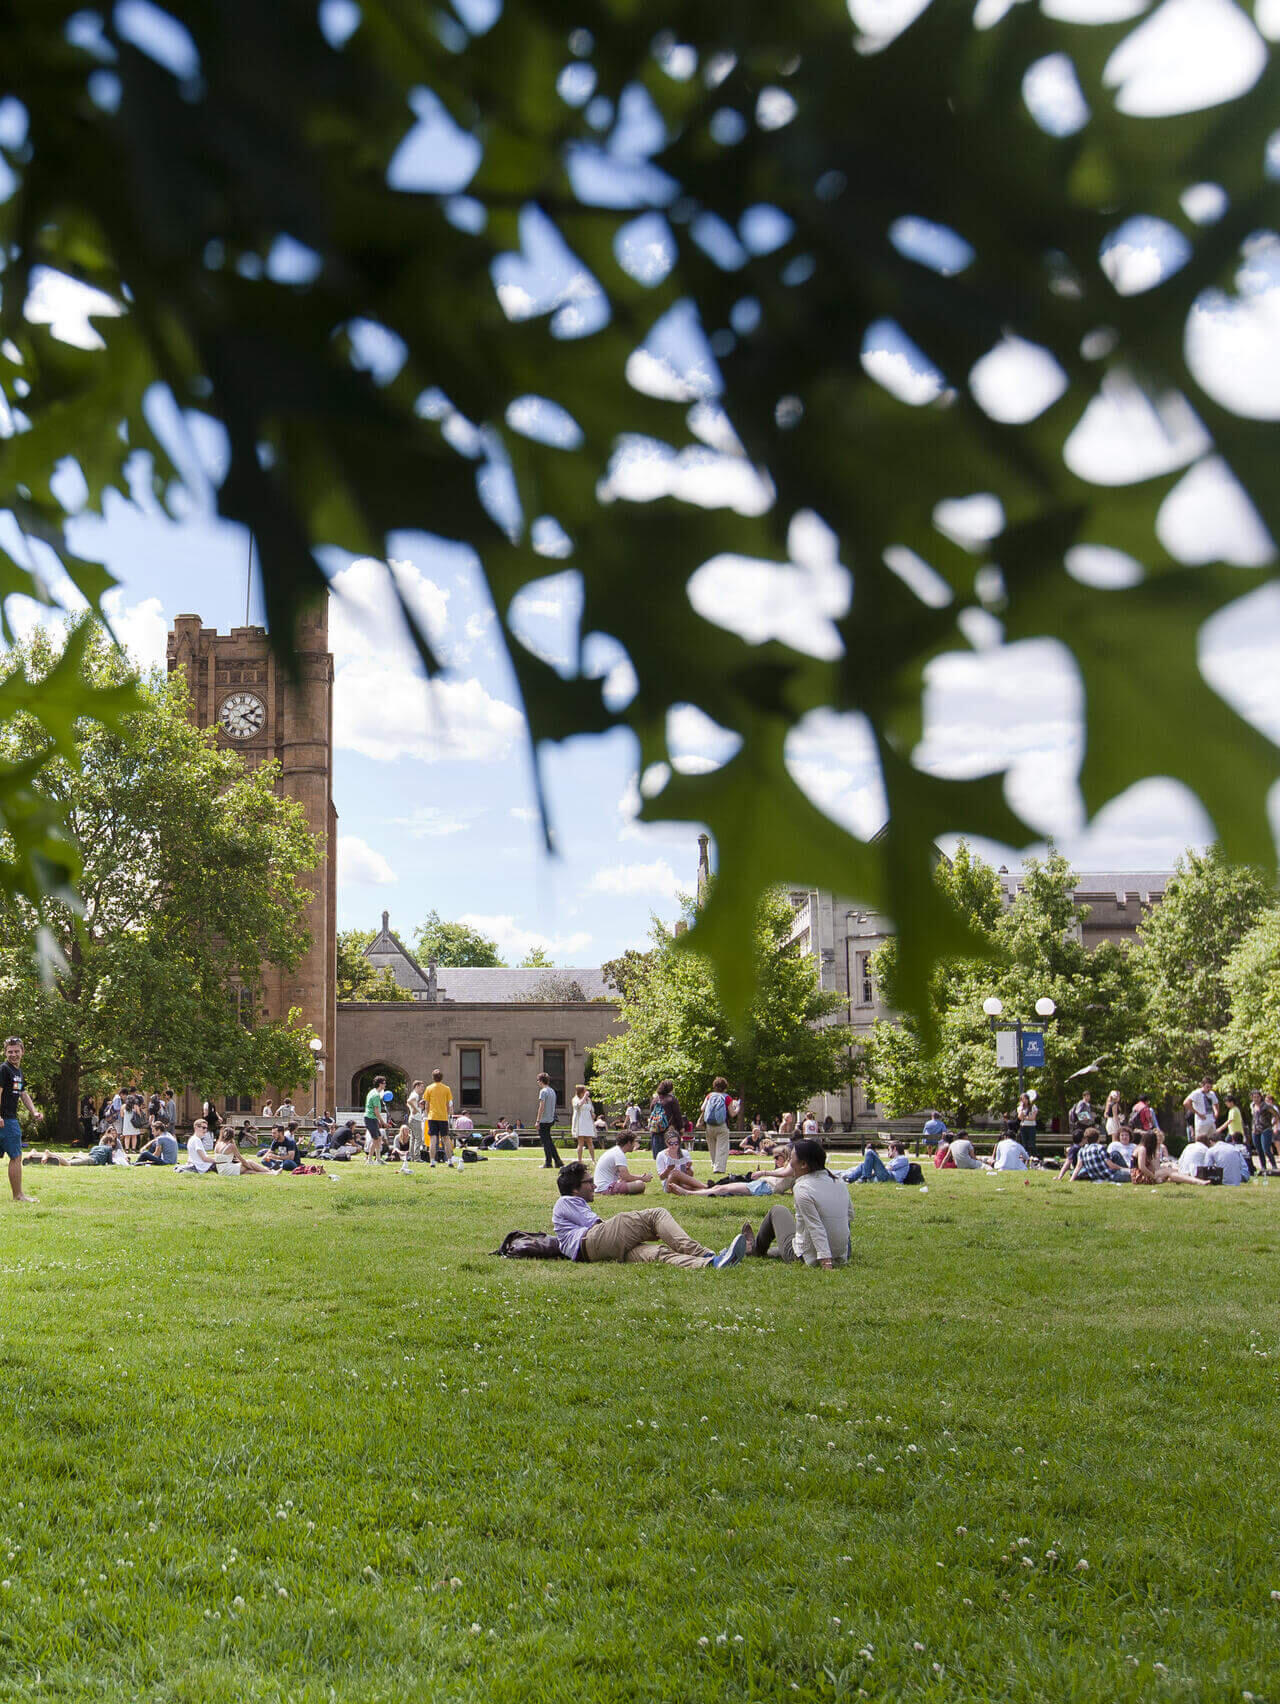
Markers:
point(513, 275)
point(1033, 949)
point(788, 1050)
point(454, 943)
point(192, 888)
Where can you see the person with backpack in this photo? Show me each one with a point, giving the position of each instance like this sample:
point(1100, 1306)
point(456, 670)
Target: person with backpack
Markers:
point(664, 1115)
point(717, 1110)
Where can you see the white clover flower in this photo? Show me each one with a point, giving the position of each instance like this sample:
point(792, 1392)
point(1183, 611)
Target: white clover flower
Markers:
point(961, 1531)
point(916, 1645)
point(455, 1582)
point(281, 1592)
point(1082, 1566)
point(476, 1627)
point(704, 1641)
point(237, 1603)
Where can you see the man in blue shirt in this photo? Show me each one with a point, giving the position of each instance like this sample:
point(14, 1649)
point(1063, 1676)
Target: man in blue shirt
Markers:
point(875, 1170)
point(935, 1128)
point(648, 1233)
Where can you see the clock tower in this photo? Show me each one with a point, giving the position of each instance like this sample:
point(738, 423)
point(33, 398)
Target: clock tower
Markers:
point(238, 687)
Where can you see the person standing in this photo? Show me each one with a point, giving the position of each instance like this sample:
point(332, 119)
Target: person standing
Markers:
point(1027, 1121)
point(1202, 1105)
point(439, 1110)
point(13, 1088)
point(584, 1121)
point(664, 1115)
point(717, 1110)
point(417, 1120)
point(546, 1117)
point(375, 1120)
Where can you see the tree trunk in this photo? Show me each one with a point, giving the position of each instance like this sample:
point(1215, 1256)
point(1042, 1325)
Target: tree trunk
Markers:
point(68, 1091)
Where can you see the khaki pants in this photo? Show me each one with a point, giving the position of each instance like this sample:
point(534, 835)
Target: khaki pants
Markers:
point(718, 1146)
point(646, 1233)
point(780, 1227)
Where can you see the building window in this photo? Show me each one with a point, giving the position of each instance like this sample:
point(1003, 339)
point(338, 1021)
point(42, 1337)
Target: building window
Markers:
point(471, 1083)
point(553, 1065)
point(239, 1103)
point(866, 986)
point(241, 999)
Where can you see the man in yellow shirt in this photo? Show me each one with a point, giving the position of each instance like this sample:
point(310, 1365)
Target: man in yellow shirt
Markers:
point(439, 1099)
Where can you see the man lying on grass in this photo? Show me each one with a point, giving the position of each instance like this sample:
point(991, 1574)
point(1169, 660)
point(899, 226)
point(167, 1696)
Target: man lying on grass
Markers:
point(647, 1233)
point(818, 1231)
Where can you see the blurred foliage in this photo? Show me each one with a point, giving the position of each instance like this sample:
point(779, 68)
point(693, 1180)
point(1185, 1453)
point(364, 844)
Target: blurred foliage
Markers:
point(279, 213)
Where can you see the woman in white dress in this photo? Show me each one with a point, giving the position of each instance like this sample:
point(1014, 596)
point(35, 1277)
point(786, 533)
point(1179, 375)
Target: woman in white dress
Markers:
point(584, 1120)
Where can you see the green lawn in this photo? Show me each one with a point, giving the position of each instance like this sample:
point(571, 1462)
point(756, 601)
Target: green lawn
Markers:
point(301, 1440)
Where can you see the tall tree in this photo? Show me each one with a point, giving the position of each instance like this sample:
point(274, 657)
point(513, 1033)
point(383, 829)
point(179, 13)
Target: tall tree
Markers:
point(1248, 1049)
point(193, 876)
point(1034, 949)
point(454, 943)
point(358, 979)
point(676, 1026)
point(749, 211)
point(537, 958)
point(1185, 946)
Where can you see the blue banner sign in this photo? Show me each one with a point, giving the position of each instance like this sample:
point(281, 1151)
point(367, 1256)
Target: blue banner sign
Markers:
point(1032, 1048)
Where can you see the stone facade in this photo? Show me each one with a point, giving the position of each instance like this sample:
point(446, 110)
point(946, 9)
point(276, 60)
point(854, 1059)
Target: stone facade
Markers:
point(239, 687)
point(490, 1052)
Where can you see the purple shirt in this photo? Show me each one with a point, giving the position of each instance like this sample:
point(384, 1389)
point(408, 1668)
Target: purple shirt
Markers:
point(571, 1219)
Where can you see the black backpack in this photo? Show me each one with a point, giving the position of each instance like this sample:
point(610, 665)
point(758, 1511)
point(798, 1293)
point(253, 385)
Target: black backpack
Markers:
point(529, 1245)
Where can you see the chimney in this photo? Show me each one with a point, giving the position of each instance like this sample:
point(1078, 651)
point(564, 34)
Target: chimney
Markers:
point(704, 866)
point(433, 965)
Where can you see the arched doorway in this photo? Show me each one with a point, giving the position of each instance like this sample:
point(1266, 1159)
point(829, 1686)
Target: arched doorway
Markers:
point(397, 1082)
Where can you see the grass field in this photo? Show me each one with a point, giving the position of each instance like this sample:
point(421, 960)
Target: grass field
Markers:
point(305, 1440)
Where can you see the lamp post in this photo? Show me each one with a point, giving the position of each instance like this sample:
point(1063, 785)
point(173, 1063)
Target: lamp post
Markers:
point(317, 1047)
point(993, 1006)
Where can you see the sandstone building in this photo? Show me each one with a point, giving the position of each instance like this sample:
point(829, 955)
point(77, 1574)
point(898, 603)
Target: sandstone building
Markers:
point(240, 688)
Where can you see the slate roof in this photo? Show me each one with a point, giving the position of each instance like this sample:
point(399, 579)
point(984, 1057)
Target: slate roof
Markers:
point(504, 986)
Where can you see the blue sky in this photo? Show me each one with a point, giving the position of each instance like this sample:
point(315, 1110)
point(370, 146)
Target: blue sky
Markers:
point(433, 783)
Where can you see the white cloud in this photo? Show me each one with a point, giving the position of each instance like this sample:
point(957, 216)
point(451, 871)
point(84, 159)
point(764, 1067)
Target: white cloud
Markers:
point(64, 305)
point(657, 878)
point(432, 822)
point(385, 713)
point(1187, 55)
point(644, 469)
point(523, 813)
point(901, 377)
point(797, 602)
point(1233, 349)
point(831, 757)
point(142, 628)
point(1122, 437)
point(1133, 270)
point(1016, 381)
point(383, 705)
point(365, 621)
point(358, 862)
point(515, 941)
point(1208, 518)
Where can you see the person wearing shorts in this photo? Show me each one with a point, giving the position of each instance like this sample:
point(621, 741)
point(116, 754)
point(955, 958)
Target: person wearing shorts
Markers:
point(439, 1099)
point(375, 1119)
point(13, 1088)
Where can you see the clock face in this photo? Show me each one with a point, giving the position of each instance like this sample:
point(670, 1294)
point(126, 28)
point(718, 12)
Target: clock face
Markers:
point(242, 715)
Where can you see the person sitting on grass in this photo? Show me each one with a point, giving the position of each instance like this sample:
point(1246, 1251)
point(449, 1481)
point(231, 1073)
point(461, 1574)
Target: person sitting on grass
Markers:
point(282, 1155)
point(162, 1149)
point(505, 1138)
point(960, 1151)
point(612, 1176)
point(675, 1167)
point(641, 1234)
point(875, 1170)
point(1009, 1155)
point(1124, 1147)
point(818, 1231)
point(1233, 1159)
point(231, 1162)
point(1149, 1167)
point(1095, 1165)
point(199, 1149)
point(777, 1179)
